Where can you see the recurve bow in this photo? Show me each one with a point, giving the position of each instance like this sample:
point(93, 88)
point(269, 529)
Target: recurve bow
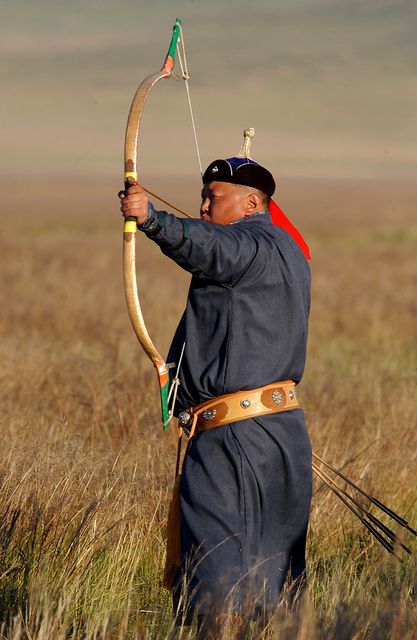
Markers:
point(129, 231)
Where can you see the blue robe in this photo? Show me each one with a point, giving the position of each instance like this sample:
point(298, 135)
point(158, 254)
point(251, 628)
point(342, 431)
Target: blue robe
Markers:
point(246, 487)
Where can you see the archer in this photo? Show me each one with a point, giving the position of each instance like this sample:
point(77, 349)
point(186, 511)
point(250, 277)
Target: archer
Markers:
point(246, 479)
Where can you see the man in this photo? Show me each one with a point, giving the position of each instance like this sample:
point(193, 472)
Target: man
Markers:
point(246, 482)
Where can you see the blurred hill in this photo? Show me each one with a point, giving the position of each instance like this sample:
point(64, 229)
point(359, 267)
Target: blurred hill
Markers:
point(330, 85)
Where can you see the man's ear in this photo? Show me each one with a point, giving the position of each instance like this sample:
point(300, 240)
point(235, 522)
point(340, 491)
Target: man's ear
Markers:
point(253, 203)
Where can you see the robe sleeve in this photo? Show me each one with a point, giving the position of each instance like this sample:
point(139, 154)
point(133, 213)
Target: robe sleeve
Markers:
point(217, 252)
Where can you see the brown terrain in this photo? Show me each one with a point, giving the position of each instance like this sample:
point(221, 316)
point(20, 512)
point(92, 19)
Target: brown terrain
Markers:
point(86, 470)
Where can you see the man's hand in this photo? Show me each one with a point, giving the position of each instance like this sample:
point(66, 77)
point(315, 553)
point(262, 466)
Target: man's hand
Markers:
point(134, 202)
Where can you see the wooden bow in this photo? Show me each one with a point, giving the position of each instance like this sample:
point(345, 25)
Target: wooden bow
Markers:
point(130, 224)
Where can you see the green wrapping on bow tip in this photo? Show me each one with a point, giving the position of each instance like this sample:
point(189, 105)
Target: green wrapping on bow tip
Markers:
point(174, 39)
point(164, 406)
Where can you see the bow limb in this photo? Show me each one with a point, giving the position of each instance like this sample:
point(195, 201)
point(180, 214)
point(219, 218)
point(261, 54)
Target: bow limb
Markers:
point(129, 232)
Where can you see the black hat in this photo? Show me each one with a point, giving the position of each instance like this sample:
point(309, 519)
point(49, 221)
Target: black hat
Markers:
point(240, 171)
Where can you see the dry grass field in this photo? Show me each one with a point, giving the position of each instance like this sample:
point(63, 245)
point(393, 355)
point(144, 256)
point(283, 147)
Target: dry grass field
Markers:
point(86, 470)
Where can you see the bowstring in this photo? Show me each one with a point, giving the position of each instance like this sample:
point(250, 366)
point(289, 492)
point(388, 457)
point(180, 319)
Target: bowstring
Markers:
point(182, 58)
point(186, 76)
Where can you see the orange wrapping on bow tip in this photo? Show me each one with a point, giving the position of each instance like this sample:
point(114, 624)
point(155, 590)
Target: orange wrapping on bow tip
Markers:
point(280, 220)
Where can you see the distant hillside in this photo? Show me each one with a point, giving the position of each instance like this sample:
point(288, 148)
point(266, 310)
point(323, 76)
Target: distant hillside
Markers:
point(330, 85)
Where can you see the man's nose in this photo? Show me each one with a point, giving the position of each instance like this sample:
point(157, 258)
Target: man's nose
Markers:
point(205, 203)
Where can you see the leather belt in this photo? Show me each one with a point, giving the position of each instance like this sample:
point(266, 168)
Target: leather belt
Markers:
point(272, 398)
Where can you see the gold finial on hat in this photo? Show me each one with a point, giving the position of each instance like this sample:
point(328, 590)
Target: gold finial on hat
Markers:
point(244, 152)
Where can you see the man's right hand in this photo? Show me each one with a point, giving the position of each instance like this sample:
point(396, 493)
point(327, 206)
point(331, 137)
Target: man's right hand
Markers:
point(134, 202)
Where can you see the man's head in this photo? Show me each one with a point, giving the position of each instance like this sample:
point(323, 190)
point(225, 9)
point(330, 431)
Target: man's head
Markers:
point(235, 188)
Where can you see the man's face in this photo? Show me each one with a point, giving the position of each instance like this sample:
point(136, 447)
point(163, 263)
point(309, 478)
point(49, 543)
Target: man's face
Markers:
point(222, 203)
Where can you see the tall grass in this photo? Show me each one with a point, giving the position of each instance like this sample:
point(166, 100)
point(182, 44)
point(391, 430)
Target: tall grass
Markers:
point(86, 471)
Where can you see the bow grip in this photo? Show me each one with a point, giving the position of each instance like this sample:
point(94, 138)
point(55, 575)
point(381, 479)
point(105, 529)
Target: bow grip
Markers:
point(130, 179)
point(130, 221)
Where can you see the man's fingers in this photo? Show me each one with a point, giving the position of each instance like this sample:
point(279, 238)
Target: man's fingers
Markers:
point(129, 209)
point(134, 188)
point(135, 200)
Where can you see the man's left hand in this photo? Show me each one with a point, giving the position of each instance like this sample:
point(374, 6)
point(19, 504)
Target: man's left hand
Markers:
point(134, 202)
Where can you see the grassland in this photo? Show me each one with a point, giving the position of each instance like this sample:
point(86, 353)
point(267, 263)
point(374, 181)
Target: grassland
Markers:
point(86, 471)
